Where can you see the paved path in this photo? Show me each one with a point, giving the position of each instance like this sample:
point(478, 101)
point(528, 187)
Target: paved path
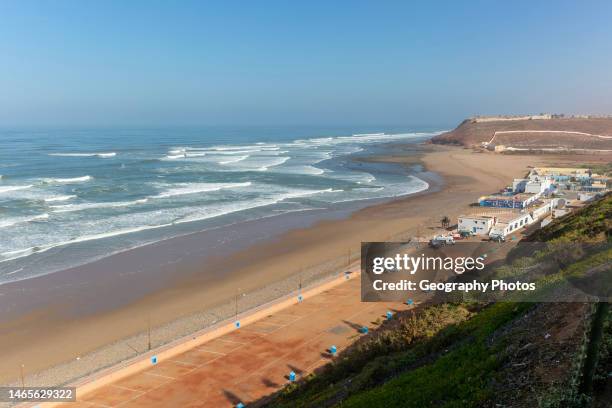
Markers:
point(250, 362)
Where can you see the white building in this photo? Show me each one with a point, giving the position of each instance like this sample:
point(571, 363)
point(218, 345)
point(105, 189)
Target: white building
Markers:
point(518, 185)
point(585, 197)
point(538, 185)
point(534, 184)
point(542, 210)
point(506, 227)
point(475, 224)
point(512, 221)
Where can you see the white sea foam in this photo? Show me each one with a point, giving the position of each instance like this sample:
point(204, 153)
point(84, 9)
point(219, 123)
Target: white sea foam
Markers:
point(176, 151)
point(102, 155)
point(212, 212)
point(191, 214)
point(276, 162)
point(366, 134)
point(194, 188)
point(59, 198)
point(20, 253)
point(69, 180)
point(20, 220)
point(360, 177)
point(89, 206)
point(232, 152)
point(234, 160)
point(306, 170)
point(242, 147)
point(6, 189)
point(305, 193)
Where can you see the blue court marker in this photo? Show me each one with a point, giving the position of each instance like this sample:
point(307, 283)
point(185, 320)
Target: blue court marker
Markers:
point(333, 350)
point(409, 302)
point(154, 360)
point(364, 330)
point(240, 405)
point(292, 376)
point(238, 324)
point(389, 315)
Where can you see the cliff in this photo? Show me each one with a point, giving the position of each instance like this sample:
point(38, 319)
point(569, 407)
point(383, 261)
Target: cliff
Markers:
point(533, 134)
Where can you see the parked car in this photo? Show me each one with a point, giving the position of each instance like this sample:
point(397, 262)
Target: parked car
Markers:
point(441, 240)
point(435, 244)
point(497, 238)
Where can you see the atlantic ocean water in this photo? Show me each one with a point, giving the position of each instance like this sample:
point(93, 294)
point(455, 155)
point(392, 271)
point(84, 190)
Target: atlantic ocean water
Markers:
point(68, 197)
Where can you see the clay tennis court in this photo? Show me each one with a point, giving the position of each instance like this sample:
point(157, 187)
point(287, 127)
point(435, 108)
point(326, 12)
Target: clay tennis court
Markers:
point(252, 361)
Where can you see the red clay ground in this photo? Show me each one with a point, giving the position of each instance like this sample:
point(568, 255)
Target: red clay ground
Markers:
point(252, 361)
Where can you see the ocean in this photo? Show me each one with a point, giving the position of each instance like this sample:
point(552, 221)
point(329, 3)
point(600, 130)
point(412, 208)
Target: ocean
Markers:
point(69, 197)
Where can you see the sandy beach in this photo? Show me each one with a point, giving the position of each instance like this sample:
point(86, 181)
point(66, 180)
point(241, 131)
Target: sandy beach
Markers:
point(70, 315)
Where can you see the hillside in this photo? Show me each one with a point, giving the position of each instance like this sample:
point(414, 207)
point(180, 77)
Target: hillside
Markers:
point(554, 133)
point(484, 355)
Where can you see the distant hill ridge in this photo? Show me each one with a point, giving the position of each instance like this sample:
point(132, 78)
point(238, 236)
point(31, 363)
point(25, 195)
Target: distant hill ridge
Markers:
point(533, 132)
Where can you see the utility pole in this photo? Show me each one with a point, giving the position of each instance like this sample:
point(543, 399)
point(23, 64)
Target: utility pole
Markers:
point(236, 303)
point(149, 333)
point(22, 376)
point(300, 283)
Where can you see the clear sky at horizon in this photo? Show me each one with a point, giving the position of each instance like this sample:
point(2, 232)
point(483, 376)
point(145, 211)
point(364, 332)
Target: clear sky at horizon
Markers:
point(157, 63)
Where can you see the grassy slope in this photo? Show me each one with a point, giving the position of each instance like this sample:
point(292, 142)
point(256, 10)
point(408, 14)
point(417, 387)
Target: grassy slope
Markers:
point(443, 356)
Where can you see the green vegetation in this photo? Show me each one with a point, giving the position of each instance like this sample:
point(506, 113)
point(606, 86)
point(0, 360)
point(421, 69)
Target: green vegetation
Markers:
point(587, 224)
point(457, 355)
point(458, 378)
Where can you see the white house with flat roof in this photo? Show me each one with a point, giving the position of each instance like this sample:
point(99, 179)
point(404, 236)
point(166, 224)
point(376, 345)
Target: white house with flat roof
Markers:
point(511, 224)
point(538, 185)
point(513, 221)
point(534, 184)
point(475, 224)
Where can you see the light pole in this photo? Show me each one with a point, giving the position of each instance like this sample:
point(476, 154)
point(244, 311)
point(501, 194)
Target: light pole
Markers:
point(149, 333)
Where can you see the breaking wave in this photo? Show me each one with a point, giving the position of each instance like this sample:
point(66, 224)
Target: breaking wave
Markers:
point(68, 180)
point(89, 206)
point(6, 189)
point(20, 220)
point(101, 155)
point(194, 188)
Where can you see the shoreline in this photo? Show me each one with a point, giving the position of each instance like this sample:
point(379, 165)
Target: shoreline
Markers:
point(418, 212)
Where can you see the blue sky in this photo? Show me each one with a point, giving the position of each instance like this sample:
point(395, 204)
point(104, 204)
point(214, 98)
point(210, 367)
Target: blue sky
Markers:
point(299, 62)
